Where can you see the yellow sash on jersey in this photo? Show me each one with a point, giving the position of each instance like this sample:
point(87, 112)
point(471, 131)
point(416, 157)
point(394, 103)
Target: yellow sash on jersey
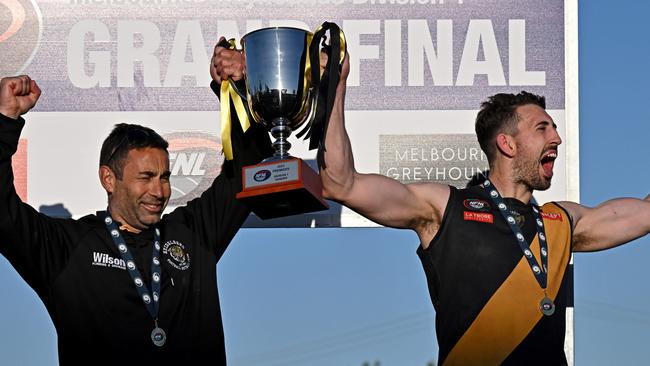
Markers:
point(512, 312)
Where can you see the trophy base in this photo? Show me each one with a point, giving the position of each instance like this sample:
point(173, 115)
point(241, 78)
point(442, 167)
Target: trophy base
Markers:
point(281, 188)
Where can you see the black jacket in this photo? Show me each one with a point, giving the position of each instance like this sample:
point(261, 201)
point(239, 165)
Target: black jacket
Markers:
point(75, 269)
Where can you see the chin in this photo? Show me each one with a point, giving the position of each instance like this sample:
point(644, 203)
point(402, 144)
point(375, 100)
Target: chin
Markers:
point(543, 184)
point(151, 219)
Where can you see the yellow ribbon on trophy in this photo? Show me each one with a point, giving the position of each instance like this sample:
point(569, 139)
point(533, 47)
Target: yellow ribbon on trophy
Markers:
point(305, 80)
point(228, 93)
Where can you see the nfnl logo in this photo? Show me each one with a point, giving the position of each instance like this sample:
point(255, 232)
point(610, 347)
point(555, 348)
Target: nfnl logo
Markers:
point(262, 175)
point(20, 34)
point(476, 205)
point(195, 159)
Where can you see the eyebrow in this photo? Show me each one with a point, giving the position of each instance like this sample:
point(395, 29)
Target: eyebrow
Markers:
point(152, 173)
point(147, 173)
point(545, 122)
point(165, 174)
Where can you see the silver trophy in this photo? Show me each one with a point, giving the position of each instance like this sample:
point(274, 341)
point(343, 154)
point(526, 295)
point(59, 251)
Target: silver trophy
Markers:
point(281, 96)
point(279, 93)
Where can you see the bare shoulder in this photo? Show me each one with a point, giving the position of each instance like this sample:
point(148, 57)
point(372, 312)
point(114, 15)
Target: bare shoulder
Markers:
point(609, 224)
point(435, 196)
point(575, 210)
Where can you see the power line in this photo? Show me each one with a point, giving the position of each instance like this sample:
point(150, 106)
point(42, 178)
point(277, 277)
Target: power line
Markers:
point(411, 323)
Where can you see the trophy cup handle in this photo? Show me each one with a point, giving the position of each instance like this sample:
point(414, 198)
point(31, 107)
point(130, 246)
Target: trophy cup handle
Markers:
point(323, 86)
point(313, 97)
point(241, 94)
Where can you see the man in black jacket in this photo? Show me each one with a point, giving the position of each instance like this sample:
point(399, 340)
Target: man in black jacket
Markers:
point(127, 285)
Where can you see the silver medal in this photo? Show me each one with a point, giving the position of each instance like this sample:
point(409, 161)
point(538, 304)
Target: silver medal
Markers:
point(547, 306)
point(158, 336)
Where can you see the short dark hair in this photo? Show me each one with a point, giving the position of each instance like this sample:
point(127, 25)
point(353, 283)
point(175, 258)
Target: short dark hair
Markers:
point(123, 138)
point(498, 114)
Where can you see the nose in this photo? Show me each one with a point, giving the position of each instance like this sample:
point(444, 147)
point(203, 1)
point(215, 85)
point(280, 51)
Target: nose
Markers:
point(156, 188)
point(556, 139)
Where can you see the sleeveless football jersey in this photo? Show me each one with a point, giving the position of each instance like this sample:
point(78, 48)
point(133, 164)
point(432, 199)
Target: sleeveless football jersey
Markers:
point(483, 289)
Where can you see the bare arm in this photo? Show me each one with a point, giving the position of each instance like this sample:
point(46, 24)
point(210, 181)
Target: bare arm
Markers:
point(379, 198)
point(609, 224)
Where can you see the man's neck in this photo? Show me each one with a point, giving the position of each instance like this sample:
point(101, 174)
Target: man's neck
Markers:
point(503, 181)
point(130, 229)
point(124, 225)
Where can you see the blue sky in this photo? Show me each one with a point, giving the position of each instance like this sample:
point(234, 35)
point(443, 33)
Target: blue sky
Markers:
point(345, 296)
point(612, 288)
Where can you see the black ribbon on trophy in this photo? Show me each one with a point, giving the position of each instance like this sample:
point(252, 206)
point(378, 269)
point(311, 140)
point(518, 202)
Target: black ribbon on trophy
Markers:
point(285, 89)
point(324, 87)
point(325, 84)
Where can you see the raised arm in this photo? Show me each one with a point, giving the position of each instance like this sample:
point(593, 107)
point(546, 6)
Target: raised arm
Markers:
point(609, 224)
point(18, 95)
point(35, 245)
point(379, 198)
point(218, 215)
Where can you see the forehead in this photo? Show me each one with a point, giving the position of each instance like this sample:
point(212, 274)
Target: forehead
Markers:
point(147, 159)
point(532, 114)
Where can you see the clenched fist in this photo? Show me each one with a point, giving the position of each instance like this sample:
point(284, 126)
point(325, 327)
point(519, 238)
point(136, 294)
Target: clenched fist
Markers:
point(18, 94)
point(226, 64)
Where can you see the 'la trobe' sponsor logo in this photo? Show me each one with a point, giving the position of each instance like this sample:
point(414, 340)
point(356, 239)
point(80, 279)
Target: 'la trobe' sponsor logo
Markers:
point(21, 27)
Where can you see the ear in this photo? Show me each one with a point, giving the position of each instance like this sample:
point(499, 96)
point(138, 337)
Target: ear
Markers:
point(107, 178)
point(506, 145)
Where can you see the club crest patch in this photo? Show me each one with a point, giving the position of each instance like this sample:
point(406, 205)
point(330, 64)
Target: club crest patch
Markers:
point(520, 219)
point(474, 204)
point(176, 255)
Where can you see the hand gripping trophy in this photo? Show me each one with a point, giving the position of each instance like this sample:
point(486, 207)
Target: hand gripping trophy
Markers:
point(285, 90)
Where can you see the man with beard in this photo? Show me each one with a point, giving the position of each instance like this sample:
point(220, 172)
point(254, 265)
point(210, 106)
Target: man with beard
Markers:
point(495, 262)
point(127, 286)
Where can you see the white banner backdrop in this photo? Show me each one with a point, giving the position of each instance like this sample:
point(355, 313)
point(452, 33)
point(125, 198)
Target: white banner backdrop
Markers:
point(419, 71)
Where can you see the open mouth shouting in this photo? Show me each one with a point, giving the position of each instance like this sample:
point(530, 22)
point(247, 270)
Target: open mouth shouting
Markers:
point(547, 162)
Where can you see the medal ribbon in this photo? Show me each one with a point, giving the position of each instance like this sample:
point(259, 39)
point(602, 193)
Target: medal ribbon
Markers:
point(540, 273)
point(151, 300)
point(227, 93)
